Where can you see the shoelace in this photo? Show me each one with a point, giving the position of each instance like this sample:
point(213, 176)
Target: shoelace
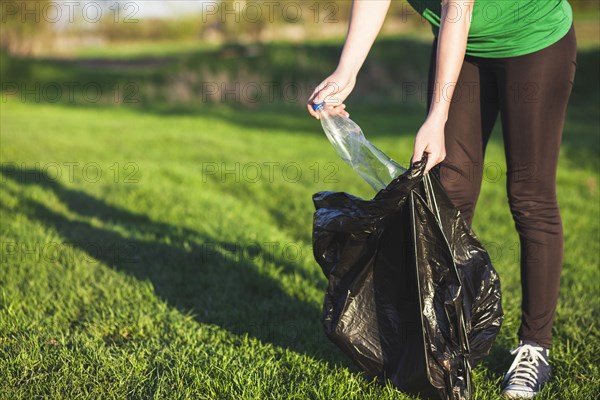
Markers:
point(524, 368)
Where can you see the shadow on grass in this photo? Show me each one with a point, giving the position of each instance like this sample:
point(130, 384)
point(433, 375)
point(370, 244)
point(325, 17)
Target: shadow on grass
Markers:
point(498, 361)
point(192, 272)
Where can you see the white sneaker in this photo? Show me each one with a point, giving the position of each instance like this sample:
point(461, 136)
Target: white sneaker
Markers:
point(528, 373)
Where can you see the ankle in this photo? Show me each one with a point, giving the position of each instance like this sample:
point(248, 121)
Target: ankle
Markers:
point(535, 344)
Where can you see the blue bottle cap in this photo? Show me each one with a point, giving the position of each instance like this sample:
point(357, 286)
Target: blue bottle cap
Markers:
point(317, 106)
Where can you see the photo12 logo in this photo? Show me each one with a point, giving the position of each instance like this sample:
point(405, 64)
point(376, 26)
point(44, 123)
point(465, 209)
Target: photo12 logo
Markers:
point(69, 12)
point(252, 251)
point(70, 92)
point(71, 171)
point(68, 253)
point(268, 171)
point(269, 11)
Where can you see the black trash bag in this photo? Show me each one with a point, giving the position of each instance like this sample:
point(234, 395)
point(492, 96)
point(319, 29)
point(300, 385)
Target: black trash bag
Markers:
point(413, 297)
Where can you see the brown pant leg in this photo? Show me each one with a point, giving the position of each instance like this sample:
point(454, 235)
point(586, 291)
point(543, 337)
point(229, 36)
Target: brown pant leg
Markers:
point(535, 89)
point(472, 115)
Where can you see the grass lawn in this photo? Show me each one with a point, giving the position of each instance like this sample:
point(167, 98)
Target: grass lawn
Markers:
point(156, 253)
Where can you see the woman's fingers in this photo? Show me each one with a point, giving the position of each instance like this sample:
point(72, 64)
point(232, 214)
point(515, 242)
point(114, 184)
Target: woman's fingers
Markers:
point(341, 109)
point(333, 91)
point(433, 157)
point(327, 89)
point(330, 92)
point(417, 153)
point(334, 109)
point(319, 95)
point(311, 111)
point(432, 160)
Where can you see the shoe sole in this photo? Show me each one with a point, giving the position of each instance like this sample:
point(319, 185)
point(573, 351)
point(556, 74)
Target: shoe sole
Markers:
point(518, 395)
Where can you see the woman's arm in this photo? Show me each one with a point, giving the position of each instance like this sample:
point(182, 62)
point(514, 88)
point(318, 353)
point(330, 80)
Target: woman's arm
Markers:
point(366, 19)
point(452, 45)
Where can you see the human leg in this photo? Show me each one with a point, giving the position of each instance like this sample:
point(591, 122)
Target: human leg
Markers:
point(471, 118)
point(535, 90)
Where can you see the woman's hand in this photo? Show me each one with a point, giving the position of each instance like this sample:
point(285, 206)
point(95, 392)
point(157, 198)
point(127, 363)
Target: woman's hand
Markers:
point(430, 140)
point(333, 90)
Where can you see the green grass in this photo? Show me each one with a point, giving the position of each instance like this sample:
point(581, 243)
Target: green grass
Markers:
point(163, 279)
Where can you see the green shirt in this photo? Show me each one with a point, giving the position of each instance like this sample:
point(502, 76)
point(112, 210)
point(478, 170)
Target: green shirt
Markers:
point(506, 28)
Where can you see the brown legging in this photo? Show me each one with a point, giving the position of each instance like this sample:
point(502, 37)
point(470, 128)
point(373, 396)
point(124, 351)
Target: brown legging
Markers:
point(531, 93)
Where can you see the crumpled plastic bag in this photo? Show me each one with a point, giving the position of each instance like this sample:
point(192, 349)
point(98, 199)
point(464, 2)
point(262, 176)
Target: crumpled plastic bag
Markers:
point(413, 297)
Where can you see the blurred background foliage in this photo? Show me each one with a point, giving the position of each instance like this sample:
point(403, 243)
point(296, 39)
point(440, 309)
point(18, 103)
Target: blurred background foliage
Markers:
point(34, 27)
point(40, 26)
point(246, 53)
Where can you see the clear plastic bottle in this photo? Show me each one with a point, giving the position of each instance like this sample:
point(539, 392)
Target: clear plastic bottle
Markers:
point(350, 143)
